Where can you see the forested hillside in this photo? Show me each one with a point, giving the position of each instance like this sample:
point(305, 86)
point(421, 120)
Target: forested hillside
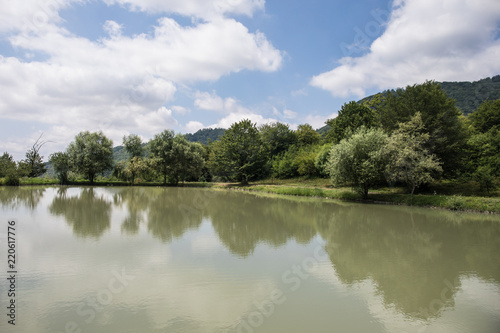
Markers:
point(205, 134)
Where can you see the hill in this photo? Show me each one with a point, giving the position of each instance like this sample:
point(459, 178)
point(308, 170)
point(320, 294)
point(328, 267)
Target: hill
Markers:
point(203, 135)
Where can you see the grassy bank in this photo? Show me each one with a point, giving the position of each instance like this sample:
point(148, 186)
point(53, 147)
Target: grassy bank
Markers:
point(445, 195)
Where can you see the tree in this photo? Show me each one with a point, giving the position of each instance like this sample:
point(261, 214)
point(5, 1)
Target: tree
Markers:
point(135, 165)
point(359, 160)
point(133, 145)
point(33, 165)
point(7, 164)
point(439, 115)
point(60, 162)
point(91, 154)
point(129, 170)
point(187, 159)
point(487, 116)
point(160, 148)
point(239, 154)
point(410, 162)
point(9, 170)
point(278, 137)
point(306, 135)
point(350, 117)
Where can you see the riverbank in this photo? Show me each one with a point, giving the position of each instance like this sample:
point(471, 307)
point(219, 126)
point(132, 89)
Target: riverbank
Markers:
point(445, 195)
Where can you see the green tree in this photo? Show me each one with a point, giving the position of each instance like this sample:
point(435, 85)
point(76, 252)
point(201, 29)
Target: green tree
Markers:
point(7, 164)
point(135, 165)
point(9, 169)
point(33, 165)
point(440, 117)
point(239, 154)
point(91, 154)
point(321, 160)
point(483, 151)
point(133, 145)
point(487, 116)
point(187, 159)
point(350, 117)
point(160, 148)
point(60, 162)
point(130, 170)
point(306, 135)
point(359, 160)
point(410, 162)
point(278, 137)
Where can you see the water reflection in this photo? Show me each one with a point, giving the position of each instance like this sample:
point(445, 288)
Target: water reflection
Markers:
point(243, 221)
point(14, 197)
point(418, 261)
point(88, 213)
point(415, 257)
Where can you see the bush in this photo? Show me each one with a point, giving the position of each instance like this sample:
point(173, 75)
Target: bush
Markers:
point(12, 179)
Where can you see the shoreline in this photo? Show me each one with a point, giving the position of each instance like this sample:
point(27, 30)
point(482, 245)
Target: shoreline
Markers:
point(394, 196)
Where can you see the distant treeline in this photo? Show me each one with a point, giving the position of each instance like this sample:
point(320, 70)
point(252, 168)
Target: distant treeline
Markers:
point(408, 136)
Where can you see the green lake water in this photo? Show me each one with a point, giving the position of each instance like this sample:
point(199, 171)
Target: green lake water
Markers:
point(132, 259)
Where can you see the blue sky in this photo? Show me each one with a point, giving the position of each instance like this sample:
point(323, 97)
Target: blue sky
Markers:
point(141, 66)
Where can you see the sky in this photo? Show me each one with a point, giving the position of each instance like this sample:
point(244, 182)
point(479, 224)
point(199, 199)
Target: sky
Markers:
point(143, 66)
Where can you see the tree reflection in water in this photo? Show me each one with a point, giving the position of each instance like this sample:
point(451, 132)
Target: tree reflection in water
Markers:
point(88, 213)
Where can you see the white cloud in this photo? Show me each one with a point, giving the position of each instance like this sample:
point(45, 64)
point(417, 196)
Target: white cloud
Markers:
point(119, 84)
point(289, 114)
point(193, 126)
point(112, 28)
point(205, 9)
point(424, 40)
point(234, 111)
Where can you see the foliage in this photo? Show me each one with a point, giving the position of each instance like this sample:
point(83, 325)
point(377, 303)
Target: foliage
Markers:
point(278, 137)
point(7, 164)
point(283, 165)
point(359, 160)
point(409, 161)
point(350, 117)
point(205, 135)
point(187, 160)
point(91, 154)
point(306, 135)
point(439, 116)
point(487, 116)
point(33, 165)
point(133, 145)
point(321, 160)
point(484, 177)
point(160, 148)
point(469, 95)
point(305, 161)
point(61, 164)
point(239, 154)
point(483, 150)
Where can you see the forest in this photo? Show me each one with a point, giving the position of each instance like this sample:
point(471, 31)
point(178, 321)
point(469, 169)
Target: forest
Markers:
point(406, 137)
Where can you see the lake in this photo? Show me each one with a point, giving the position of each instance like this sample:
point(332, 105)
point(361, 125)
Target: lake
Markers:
point(151, 259)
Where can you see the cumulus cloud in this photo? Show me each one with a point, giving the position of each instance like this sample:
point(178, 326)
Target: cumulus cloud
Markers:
point(233, 110)
point(193, 126)
point(120, 84)
point(423, 40)
point(206, 9)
